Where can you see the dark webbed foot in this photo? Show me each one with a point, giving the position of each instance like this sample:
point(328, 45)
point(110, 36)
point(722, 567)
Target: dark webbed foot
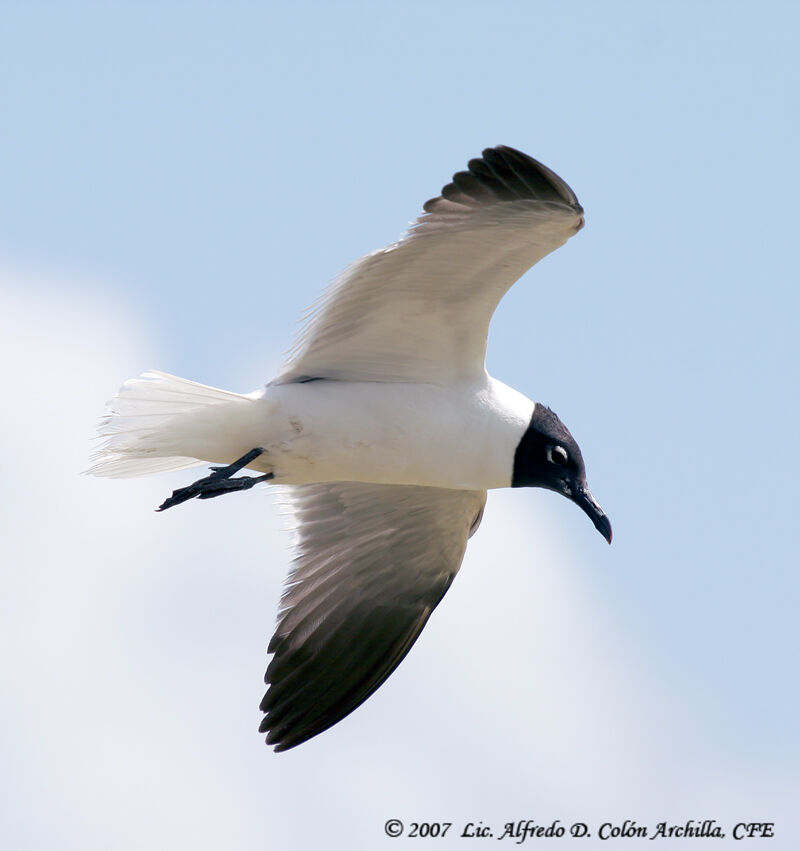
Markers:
point(218, 483)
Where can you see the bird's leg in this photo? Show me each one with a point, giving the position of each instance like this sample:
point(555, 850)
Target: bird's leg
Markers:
point(219, 482)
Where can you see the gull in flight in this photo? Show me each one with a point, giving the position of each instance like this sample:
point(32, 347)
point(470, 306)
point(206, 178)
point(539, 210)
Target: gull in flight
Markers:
point(385, 431)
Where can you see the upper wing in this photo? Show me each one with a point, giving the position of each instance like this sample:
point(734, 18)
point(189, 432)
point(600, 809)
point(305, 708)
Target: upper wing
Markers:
point(419, 310)
point(372, 563)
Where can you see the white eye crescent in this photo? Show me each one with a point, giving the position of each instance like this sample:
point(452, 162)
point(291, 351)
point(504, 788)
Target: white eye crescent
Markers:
point(557, 455)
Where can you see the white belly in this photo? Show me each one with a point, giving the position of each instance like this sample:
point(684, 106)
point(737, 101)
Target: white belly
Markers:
point(321, 431)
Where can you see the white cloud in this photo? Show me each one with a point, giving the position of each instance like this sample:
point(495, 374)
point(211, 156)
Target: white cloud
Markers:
point(134, 646)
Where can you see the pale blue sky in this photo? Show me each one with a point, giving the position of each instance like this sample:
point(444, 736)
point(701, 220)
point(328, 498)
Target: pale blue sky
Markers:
point(178, 181)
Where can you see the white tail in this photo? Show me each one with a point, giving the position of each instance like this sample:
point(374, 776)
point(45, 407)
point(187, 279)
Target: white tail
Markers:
point(159, 422)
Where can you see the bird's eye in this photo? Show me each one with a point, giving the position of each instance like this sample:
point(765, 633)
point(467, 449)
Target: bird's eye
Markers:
point(557, 455)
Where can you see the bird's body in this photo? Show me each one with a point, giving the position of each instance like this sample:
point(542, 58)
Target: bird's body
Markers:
point(386, 430)
point(457, 436)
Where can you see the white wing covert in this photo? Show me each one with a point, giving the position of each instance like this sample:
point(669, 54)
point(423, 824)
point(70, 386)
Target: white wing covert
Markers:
point(419, 310)
point(371, 564)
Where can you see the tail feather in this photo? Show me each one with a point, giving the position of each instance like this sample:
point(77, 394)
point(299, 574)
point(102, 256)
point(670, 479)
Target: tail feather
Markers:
point(140, 434)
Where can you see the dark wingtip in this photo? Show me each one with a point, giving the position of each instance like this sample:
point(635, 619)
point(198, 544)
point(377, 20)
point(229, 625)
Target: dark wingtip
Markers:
point(503, 174)
point(542, 182)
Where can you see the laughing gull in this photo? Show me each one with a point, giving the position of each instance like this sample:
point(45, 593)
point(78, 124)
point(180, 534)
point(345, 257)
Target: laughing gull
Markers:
point(386, 432)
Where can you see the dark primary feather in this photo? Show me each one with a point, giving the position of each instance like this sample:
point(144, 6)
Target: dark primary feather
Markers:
point(373, 562)
point(503, 174)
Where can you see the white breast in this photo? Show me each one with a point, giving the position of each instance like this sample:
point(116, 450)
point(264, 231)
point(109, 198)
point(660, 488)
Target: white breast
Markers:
point(462, 436)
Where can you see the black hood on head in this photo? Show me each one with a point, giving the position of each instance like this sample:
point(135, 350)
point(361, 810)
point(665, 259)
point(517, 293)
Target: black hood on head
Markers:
point(548, 457)
point(531, 467)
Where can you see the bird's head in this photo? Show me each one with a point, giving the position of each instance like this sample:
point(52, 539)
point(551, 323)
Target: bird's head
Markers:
point(548, 457)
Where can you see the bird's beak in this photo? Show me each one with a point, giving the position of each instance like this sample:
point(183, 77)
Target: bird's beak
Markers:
point(582, 496)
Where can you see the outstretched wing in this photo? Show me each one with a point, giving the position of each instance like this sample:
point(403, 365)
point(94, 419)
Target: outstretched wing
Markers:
point(372, 563)
point(419, 310)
